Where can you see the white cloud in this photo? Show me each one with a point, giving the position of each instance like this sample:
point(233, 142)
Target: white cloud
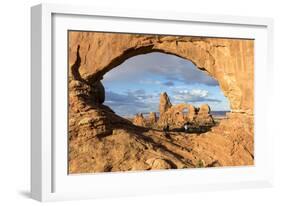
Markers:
point(194, 95)
point(193, 92)
point(199, 92)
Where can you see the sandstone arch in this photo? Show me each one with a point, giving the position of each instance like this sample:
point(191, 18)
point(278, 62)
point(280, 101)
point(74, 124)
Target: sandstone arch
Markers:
point(94, 129)
point(230, 61)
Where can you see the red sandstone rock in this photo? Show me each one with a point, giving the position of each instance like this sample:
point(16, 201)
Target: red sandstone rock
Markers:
point(204, 116)
point(230, 61)
point(101, 141)
point(165, 103)
point(152, 119)
point(139, 120)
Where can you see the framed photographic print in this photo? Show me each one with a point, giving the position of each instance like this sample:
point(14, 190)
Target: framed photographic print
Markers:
point(137, 102)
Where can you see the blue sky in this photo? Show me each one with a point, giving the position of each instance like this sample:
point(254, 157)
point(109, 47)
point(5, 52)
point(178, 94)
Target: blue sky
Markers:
point(135, 85)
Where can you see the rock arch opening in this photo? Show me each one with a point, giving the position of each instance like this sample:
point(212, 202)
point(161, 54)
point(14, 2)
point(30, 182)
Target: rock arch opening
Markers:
point(133, 90)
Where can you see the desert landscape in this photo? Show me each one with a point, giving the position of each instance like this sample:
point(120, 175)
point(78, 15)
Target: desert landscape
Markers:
point(172, 134)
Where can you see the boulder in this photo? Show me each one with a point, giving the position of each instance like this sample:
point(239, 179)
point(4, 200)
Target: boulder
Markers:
point(157, 163)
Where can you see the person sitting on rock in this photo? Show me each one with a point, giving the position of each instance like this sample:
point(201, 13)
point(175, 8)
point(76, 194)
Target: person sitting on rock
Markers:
point(167, 135)
point(186, 126)
point(166, 129)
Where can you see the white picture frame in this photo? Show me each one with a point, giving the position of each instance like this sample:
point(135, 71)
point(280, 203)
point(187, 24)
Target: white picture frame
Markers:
point(49, 179)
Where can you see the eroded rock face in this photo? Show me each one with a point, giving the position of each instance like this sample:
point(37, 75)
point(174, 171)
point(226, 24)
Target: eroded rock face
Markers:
point(204, 109)
point(230, 61)
point(165, 103)
point(174, 117)
point(177, 115)
point(156, 164)
point(128, 148)
point(152, 118)
point(204, 116)
point(139, 120)
point(192, 113)
point(87, 93)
